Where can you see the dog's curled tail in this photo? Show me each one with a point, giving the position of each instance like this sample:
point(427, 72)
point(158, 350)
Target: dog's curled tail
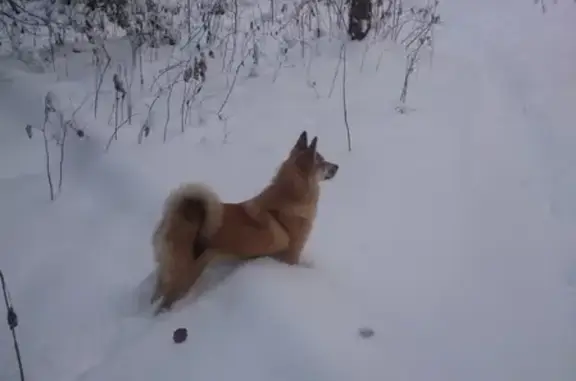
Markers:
point(193, 213)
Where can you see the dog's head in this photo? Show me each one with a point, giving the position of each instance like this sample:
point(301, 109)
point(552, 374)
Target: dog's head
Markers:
point(311, 162)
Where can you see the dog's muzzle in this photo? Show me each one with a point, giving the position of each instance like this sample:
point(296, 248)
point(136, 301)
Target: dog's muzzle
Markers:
point(330, 171)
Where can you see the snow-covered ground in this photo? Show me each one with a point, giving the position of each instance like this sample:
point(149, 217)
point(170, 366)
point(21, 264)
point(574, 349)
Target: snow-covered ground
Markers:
point(449, 231)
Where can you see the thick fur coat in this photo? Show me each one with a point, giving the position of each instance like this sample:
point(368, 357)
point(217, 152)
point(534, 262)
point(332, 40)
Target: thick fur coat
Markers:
point(196, 226)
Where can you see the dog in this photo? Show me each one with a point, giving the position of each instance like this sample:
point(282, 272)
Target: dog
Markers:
point(196, 226)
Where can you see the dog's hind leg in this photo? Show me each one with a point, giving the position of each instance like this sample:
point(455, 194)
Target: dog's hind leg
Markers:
point(173, 291)
point(186, 277)
point(156, 291)
point(170, 297)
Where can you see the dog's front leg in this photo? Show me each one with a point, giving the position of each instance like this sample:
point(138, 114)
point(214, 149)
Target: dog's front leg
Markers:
point(292, 254)
point(307, 263)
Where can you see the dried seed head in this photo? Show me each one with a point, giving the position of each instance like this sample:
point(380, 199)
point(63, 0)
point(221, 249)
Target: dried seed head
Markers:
point(118, 84)
point(49, 102)
point(28, 130)
point(188, 74)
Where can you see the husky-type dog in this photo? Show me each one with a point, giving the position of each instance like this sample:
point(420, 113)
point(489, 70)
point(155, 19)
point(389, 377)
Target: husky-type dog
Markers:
point(196, 226)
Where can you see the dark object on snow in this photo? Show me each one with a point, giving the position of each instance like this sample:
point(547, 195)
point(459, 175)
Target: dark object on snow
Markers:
point(12, 319)
point(366, 332)
point(28, 130)
point(180, 335)
point(359, 19)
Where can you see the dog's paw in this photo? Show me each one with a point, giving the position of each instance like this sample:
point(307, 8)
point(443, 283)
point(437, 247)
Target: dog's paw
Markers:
point(306, 263)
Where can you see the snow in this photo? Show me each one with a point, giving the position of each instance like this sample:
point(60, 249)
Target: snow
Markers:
point(449, 230)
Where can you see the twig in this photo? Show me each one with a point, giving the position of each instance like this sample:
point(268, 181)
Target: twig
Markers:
point(64, 127)
point(116, 102)
point(12, 319)
point(48, 108)
point(101, 80)
point(114, 135)
point(335, 74)
point(168, 98)
point(219, 112)
point(183, 106)
point(234, 45)
point(145, 130)
point(344, 103)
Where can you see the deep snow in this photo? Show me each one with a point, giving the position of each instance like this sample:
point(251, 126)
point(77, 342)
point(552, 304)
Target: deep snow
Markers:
point(449, 230)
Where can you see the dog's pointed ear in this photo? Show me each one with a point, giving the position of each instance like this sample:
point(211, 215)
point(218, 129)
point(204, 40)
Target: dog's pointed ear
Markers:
point(310, 154)
point(313, 144)
point(302, 142)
